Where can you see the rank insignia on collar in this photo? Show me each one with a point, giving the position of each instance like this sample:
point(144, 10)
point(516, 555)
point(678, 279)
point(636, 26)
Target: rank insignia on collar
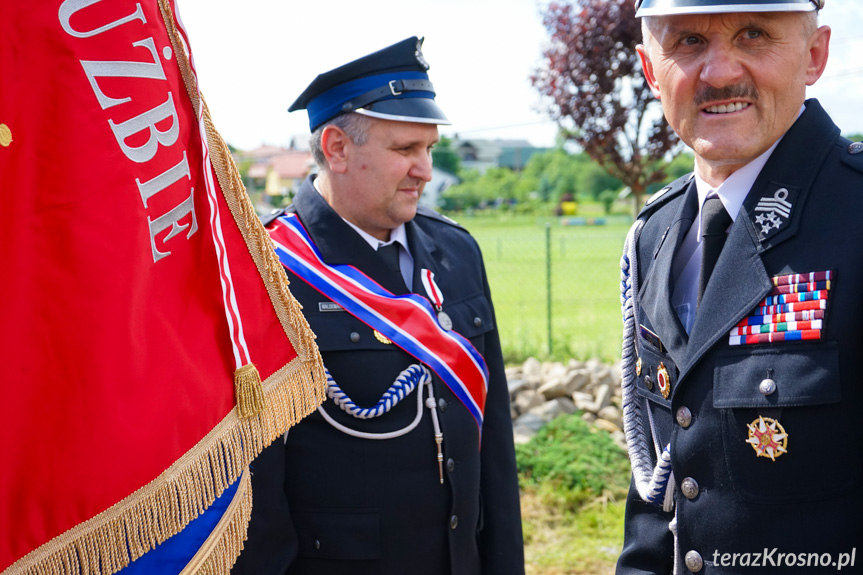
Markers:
point(767, 437)
point(773, 211)
point(663, 381)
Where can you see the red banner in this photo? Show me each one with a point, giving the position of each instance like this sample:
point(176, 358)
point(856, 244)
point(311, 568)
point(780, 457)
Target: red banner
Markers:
point(138, 292)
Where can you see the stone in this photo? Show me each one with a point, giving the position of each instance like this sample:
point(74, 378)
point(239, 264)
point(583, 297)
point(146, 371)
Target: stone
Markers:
point(530, 421)
point(527, 400)
point(611, 413)
point(606, 425)
point(603, 397)
point(553, 409)
point(553, 388)
point(583, 401)
point(577, 379)
point(516, 385)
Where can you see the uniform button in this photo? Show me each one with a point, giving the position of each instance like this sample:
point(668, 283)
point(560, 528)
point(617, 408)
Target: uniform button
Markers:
point(684, 417)
point(477, 321)
point(693, 561)
point(648, 382)
point(441, 405)
point(856, 147)
point(689, 487)
point(450, 465)
point(355, 337)
point(317, 544)
point(453, 522)
point(767, 386)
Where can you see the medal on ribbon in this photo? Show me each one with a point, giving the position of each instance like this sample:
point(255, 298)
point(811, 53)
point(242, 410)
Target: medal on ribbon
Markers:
point(436, 297)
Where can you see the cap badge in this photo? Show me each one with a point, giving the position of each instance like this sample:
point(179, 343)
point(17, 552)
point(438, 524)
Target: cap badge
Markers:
point(767, 437)
point(419, 54)
point(663, 381)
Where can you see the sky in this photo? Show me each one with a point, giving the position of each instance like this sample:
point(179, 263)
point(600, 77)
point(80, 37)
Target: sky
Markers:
point(254, 58)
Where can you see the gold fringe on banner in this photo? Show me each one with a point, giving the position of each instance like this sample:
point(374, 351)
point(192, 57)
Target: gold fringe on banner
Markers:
point(111, 540)
point(227, 538)
point(127, 530)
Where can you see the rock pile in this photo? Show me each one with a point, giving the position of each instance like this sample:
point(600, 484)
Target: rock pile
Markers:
point(540, 392)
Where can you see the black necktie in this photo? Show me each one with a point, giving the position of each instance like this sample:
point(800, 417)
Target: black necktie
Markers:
point(714, 223)
point(390, 254)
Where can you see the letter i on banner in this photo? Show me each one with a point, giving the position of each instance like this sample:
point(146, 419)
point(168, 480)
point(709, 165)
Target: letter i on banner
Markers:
point(141, 302)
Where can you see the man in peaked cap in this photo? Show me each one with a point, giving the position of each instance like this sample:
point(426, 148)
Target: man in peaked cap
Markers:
point(742, 310)
point(410, 467)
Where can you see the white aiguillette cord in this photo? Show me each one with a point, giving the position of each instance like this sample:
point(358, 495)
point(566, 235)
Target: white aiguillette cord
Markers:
point(406, 382)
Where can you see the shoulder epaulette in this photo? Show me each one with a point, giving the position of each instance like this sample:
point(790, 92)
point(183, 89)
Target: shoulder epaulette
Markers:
point(267, 219)
point(665, 194)
point(853, 155)
point(434, 215)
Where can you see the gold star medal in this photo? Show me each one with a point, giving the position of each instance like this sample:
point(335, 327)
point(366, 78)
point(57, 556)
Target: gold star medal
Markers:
point(767, 437)
point(663, 380)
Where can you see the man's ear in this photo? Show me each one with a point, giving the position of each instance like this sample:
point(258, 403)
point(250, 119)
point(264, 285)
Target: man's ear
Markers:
point(819, 51)
point(335, 143)
point(647, 68)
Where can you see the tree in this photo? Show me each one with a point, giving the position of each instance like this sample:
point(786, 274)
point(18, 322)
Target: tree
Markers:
point(598, 96)
point(445, 158)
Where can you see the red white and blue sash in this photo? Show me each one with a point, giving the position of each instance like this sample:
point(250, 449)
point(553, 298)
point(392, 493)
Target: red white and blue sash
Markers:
point(408, 320)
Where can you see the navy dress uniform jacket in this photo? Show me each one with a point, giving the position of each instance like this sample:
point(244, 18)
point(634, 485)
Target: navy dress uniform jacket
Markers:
point(774, 514)
point(328, 503)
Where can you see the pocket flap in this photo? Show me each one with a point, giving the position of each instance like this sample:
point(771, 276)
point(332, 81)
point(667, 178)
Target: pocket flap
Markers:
point(801, 375)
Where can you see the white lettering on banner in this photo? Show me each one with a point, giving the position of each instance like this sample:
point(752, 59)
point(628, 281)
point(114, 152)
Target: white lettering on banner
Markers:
point(150, 124)
point(111, 69)
point(147, 121)
point(69, 7)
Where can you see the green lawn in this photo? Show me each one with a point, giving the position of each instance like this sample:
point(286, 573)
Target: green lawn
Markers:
point(585, 279)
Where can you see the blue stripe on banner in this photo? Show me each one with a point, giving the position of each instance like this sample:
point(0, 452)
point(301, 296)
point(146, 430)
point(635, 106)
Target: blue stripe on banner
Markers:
point(372, 318)
point(172, 556)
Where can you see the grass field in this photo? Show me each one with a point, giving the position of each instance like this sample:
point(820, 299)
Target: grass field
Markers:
point(585, 279)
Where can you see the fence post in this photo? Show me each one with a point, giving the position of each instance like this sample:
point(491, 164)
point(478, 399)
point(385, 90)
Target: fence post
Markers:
point(548, 283)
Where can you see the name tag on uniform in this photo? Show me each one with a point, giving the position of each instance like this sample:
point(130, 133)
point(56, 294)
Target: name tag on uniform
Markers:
point(329, 306)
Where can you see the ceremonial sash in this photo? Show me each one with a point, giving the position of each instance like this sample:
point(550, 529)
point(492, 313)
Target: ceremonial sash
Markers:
point(408, 320)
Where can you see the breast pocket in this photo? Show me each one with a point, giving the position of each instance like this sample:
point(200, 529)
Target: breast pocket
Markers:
point(784, 433)
point(472, 318)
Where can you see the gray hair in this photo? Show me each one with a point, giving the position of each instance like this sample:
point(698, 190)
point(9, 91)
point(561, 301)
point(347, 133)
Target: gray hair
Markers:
point(356, 126)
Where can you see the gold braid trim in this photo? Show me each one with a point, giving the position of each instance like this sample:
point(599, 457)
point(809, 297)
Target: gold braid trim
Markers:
point(111, 540)
point(226, 540)
point(108, 542)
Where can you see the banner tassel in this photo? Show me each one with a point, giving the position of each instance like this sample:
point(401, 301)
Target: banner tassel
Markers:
point(249, 391)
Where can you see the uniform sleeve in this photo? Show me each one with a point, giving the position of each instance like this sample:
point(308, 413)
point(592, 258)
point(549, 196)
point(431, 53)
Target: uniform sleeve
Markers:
point(501, 542)
point(272, 540)
point(648, 544)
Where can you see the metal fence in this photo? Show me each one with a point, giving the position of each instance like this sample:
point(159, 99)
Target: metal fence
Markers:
point(555, 285)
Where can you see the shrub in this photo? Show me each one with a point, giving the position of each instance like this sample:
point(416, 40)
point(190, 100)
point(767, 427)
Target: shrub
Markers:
point(571, 463)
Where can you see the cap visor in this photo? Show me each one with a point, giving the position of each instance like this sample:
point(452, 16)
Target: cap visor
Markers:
point(420, 110)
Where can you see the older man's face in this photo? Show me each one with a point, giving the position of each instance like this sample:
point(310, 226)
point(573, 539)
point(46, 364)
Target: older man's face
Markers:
point(732, 84)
